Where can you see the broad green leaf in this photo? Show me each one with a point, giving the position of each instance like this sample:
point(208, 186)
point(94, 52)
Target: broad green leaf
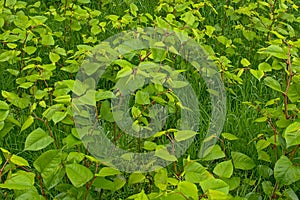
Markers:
point(47, 40)
point(262, 144)
point(188, 189)
point(30, 194)
point(213, 153)
point(161, 179)
point(17, 160)
point(276, 51)
point(184, 135)
point(262, 155)
point(58, 116)
point(242, 161)
point(30, 49)
point(48, 162)
point(136, 178)
point(54, 57)
point(224, 169)
point(292, 134)
point(214, 184)
point(133, 9)
point(139, 196)
point(3, 114)
point(142, 98)
point(164, 154)
point(229, 136)
point(78, 174)
point(150, 146)
point(265, 67)
point(285, 172)
point(217, 195)
point(10, 3)
point(4, 105)
point(245, 62)
point(108, 171)
point(29, 121)
point(258, 74)
point(103, 183)
point(233, 182)
point(188, 18)
point(126, 71)
point(272, 83)
point(83, 1)
point(21, 180)
point(37, 140)
point(195, 172)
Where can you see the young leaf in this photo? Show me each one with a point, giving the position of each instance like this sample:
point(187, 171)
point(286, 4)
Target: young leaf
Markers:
point(184, 135)
point(37, 140)
point(17, 160)
point(27, 123)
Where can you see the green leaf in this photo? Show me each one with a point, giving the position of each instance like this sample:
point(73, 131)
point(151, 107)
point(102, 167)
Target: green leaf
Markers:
point(285, 172)
point(161, 179)
point(10, 3)
point(78, 174)
point(142, 98)
point(188, 189)
point(184, 135)
point(48, 162)
point(126, 71)
point(245, 62)
point(224, 169)
point(164, 154)
point(242, 161)
point(265, 67)
point(17, 160)
point(292, 134)
point(27, 123)
point(276, 51)
point(195, 172)
point(83, 1)
point(150, 146)
point(116, 184)
point(262, 144)
point(21, 180)
point(30, 49)
point(136, 178)
point(47, 40)
point(37, 140)
point(58, 116)
point(217, 195)
point(229, 136)
point(54, 57)
point(4, 105)
point(139, 196)
point(133, 9)
point(272, 83)
point(213, 153)
point(258, 74)
point(108, 171)
point(215, 184)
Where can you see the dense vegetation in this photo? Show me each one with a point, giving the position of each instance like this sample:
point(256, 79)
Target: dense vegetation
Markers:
point(151, 100)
